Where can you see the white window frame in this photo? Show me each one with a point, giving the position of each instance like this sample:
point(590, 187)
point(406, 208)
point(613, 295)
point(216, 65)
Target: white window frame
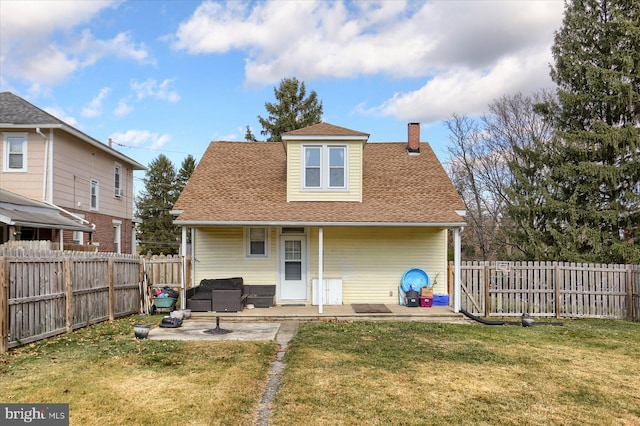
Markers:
point(247, 243)
point(325, 168)
point(117, 180)
point(117, 235)
point(94, 183)
point(5, 161)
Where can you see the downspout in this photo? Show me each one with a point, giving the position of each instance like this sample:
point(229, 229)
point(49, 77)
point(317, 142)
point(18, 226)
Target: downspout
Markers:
point(47, 178)
point(50, 166)
point(320, 268)
point(183, 278)
point(456, 269)
point(45, 170)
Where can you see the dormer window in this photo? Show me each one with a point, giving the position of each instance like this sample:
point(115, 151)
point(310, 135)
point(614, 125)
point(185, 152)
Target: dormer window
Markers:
point(325, 167)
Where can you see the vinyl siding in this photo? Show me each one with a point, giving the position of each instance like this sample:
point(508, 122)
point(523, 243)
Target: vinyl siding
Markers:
point(219, 253)
point(75, 164)
point(372, 261)
point(294, 174)
point(28, 183)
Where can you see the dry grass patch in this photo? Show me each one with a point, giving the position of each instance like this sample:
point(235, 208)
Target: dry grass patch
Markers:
point(400, 373)
point(108, 377)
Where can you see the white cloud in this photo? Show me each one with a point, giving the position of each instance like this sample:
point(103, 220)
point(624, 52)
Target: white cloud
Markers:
point(468, 91)
point(140, 139)
point(94, 108)
point(151, 88)
point(467, 52)
point(123, 108)
point(41, 45)
point(61, 115)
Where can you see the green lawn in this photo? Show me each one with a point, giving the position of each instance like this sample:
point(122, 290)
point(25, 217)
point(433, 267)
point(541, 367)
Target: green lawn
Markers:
point(410, 373)
point(353, 373)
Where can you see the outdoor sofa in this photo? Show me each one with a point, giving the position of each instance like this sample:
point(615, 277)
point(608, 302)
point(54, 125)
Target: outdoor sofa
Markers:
point(229, 295)
point(217, 295)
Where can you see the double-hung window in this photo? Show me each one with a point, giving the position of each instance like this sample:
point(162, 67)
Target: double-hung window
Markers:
point(93, 194)
point(117, 181)
point(257, 242)
point(15, 152)
point(325, 167)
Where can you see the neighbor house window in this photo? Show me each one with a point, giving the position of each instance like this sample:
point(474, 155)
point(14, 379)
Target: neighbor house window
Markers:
point(257, 242)
point(93, 194)
point(325, 167)
point(117, 226)
point(117, 180)
point(15, 152)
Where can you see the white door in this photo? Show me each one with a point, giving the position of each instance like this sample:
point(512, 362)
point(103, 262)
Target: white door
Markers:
point(293, 282)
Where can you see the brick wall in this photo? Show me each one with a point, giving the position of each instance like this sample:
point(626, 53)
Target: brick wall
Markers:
point(104, 232)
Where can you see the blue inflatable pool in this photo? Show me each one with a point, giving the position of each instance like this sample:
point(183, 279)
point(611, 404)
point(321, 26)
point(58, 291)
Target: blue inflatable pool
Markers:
point(414, 279)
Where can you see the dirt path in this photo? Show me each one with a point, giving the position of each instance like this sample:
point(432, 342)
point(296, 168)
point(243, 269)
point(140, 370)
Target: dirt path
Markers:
point(286, 332)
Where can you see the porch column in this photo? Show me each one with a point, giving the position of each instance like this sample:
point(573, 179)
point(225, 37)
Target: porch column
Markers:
point(456, 269)
point(183, 275)
point(320, 267)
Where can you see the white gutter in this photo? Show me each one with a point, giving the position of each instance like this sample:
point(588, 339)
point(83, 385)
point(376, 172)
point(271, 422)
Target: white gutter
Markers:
point(70, 214)
point(202, 223)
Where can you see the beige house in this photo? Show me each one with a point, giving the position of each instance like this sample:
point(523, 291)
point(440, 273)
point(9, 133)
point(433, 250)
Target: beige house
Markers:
point(324, 215)
point(47, 160)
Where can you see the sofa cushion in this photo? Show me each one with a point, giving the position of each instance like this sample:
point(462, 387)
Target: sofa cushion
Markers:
point(221, 284)
point(202, 295)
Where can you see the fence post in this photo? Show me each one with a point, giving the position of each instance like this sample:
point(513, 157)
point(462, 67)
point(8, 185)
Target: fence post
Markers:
point(557, 290)
point(4, 304)
point(629, 294)
point(487, 300)
point(111, 292)
point(68, 285)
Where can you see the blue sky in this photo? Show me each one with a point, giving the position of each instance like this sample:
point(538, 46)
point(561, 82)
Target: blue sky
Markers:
point(171, 76)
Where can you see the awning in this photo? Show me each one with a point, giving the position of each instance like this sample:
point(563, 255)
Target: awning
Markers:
point(40, 220)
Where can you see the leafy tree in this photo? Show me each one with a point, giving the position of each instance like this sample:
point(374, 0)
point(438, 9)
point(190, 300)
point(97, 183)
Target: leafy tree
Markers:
point(586, 192)
point(157, 232)
point(249, 136)
point(293, 110)
point(481, 154)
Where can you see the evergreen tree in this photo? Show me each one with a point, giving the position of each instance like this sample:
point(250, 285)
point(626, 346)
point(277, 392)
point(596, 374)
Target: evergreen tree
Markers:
point(582, 189)
point(186, 169)
point(249, 136)
point(157, 232)
point(293, 110)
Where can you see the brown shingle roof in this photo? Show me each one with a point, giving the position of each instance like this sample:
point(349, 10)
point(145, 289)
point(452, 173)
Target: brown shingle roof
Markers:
point(239, 182)
point(325, 129)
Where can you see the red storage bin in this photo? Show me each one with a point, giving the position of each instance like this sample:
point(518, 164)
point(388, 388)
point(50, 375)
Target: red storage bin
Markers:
point(425, 302)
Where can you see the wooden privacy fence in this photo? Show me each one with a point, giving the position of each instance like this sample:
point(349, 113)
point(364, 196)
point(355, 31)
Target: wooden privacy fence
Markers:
point(45, 293)
point(576, 290)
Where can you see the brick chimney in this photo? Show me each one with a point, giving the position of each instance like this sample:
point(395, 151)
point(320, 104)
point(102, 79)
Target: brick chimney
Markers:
point(413, 144)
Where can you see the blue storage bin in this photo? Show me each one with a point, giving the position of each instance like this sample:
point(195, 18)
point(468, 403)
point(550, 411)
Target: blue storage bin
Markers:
point(440, 300)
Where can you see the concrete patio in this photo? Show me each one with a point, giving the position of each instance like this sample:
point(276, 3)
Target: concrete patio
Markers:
point(265, 323)
point(336, 313)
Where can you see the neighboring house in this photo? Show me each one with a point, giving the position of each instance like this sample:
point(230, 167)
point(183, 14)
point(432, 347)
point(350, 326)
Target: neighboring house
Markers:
point(22, 218)
point(322, 203)
point(47, 160)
